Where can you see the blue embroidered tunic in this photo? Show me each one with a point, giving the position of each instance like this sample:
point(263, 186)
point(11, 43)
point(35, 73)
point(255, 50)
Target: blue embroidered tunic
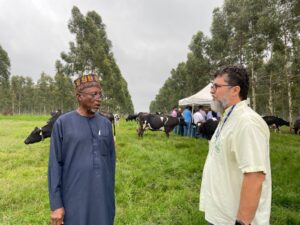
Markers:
point(81, 172)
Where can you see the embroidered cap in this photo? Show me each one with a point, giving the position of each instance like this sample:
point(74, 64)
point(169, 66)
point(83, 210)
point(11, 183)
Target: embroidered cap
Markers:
point(86, 81)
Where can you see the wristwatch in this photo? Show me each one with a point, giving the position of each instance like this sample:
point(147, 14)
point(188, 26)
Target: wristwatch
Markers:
point(238, 222)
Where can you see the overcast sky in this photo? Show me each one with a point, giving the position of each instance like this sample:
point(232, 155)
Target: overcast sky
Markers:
point(149, 37)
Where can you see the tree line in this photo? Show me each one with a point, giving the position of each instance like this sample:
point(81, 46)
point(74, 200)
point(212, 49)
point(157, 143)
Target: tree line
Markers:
point(89, 53)
point(261, 35)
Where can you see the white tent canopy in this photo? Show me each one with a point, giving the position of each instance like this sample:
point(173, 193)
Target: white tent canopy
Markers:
point(203, 97)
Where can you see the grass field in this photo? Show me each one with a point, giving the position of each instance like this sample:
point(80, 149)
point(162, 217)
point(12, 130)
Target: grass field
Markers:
point(157, 180)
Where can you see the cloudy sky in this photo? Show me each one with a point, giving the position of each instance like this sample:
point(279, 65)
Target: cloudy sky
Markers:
point(149, 37)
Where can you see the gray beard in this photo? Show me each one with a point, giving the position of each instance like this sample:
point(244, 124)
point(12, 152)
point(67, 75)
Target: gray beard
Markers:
point(93, 110)
point(217, 106)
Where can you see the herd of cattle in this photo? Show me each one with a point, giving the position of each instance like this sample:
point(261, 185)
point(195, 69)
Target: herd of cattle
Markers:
point(154, 122)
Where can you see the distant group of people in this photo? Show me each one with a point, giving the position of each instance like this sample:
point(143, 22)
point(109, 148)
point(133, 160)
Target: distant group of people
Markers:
point(191, 119)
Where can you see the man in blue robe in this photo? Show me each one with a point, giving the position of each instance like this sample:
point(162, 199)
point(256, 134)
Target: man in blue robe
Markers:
point(81, 173)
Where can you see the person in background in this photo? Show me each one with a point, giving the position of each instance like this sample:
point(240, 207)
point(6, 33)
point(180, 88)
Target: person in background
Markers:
point(187, 115)
point(236, 180)
point(180, 126)
point(174, 111)
point(174, 114)
point(197, 120)
point(211, 114)
point(81, 169)
point(198, 116)
point(202, 111)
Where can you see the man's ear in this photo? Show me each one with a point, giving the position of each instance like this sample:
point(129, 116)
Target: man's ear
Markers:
point(236, 90)
point(78, 96)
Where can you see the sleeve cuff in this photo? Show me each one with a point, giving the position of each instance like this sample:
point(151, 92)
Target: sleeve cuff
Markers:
point(254, 169)
point(55, 203)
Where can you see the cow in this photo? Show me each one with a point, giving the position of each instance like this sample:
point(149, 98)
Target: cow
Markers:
point(117, 117)
point(156, 122)
point(297, 126)
point(207, 129)
point(276, 121)
point(39, 134)
point(131, 117)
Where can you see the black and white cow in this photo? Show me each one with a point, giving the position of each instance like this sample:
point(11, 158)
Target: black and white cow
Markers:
point(207, 129)
point(39, 134)
point(156, 122)
point(131, 117)
point(276, 121)
point(117, 117)
point(297, 126)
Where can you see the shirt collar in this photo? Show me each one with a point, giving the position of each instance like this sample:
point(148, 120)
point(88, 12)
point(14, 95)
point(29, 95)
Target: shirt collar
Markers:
point(238, 105)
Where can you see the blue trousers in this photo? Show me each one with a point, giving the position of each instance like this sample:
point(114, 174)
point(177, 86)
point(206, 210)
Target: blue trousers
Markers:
point(187, 129)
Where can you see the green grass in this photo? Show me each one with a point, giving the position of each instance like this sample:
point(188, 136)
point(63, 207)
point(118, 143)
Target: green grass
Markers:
point(157, 179)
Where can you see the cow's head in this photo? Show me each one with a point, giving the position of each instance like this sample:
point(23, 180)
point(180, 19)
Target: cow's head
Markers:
point(35, 136)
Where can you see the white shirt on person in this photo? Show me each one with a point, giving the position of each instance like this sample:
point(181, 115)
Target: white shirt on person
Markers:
point(238, 146)
point(203, 113)
point(198, 117)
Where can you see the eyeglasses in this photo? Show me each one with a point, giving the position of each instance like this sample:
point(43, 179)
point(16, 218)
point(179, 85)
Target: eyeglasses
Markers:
point(216, 86)
point(93, 95)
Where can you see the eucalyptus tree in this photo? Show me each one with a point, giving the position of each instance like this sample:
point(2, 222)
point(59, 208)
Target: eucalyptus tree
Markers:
point(64, 90)
point(198, 64)
point(17, 93)
point(188, 77)
point(218, 46)
point(4, 80)
point(289, 17)
point(91, 52)
point(248, 40)
point(44, 94)
point(28, 98)
point(235, 16)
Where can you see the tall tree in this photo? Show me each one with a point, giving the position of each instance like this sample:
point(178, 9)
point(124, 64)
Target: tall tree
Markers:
point(289, 16)
point(28, 98)
point(219, 48)
point(263, 36)
point(92, 53)
point(4, 81)
point(44, 94)
point(17, 93)
point(64, 90)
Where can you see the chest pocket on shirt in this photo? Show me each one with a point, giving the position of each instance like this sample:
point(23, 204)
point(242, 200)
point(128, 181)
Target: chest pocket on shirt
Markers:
point(103, 141)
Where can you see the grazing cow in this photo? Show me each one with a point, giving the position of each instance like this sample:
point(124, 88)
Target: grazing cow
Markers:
point(297, 126)
point(156, 122)
point(117, 117)
point(276, 121)
point(207, 129)
point(39, 134)
point(131, 117)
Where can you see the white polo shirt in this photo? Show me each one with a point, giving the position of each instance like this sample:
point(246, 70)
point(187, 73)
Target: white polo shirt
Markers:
point(242, 146)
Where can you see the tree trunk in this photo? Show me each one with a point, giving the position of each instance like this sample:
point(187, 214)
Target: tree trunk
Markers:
point(12, 104)
point(270, 97)
point(19, 106)
point(253, 78)
point(289, 89)
point(289, 81)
